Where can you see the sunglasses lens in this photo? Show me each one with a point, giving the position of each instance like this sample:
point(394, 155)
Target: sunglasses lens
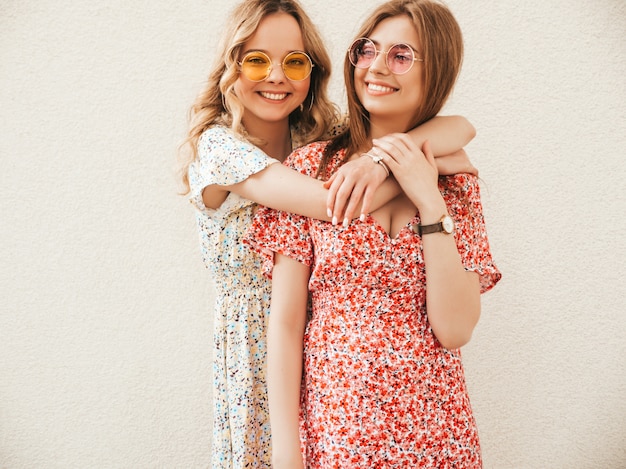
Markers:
point(400, 59)
point(256, 66)
point(297, 66)
point(362, 53)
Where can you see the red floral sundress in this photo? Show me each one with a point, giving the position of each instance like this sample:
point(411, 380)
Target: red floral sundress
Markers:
point(379, 390)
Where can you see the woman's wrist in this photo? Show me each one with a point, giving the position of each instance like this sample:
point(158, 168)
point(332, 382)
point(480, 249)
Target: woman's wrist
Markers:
point(432, 208)
point(378, 160)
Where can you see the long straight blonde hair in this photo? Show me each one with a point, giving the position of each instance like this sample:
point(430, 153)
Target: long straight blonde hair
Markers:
point(218, 104)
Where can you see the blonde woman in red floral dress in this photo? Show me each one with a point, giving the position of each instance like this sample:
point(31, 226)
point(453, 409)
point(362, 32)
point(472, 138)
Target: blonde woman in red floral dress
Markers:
point(394, 296)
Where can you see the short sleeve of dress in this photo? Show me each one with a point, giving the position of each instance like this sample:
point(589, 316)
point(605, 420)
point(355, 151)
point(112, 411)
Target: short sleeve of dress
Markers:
point(224, 159)
point(274, 231)
point(464, 203)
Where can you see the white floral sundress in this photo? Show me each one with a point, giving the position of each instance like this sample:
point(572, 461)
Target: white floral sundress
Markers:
point(241, 431)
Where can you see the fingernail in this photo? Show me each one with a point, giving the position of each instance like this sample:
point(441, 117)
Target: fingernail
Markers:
point(329, 212)
point(334, 220)
point(346, 222)
point(362, 217)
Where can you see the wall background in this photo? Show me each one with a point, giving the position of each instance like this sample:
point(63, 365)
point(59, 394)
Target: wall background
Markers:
point(105, 321)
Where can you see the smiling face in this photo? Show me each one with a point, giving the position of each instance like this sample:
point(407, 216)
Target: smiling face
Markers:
point(274, 98)
point(391, 100)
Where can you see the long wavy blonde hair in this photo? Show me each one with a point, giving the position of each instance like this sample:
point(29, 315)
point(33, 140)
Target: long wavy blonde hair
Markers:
point(442, 50)
point(217, 102)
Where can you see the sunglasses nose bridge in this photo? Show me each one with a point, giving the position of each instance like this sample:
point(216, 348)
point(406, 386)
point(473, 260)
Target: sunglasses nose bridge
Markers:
point(276, 72)
point(375, 64)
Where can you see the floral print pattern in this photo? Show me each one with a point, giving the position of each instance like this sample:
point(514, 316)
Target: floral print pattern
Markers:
point(241, 434)
point(379, 390)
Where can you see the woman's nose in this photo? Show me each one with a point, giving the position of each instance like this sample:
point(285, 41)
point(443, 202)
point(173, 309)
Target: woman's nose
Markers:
point(277, 75)
point(379, 64)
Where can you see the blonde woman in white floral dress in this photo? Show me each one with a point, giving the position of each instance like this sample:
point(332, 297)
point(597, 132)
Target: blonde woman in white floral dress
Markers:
point(266, 96)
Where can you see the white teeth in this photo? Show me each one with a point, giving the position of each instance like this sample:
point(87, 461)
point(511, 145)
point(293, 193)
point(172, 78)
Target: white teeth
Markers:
point(273, 96)
point(384, 89)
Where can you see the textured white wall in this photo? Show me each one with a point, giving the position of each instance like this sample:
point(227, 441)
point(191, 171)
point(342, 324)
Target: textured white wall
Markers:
point(105, 307)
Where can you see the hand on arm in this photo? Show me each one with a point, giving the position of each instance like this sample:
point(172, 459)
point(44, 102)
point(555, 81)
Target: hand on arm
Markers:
point(283, 188)
point(285, 332)
point(360, 178)
point(452, 293)
point(276, 186)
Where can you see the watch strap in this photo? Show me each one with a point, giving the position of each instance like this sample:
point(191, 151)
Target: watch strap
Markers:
point(427, 229)
point(438, 227)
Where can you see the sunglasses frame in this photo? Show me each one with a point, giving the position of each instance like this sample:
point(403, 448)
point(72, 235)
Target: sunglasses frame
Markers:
point(271, 65)
point(368, 40)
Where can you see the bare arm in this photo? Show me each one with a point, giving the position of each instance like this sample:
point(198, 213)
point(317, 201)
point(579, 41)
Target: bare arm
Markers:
point(447, 134)
point(282, 188)
point(285, 332)
point(454, 163)
point(452, 293)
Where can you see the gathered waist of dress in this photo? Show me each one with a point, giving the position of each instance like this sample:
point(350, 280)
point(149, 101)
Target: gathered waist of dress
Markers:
point(355, 299)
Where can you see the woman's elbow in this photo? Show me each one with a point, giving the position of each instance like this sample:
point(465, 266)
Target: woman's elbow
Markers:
point(470, 130)
point(456, 333)
point(454, 341)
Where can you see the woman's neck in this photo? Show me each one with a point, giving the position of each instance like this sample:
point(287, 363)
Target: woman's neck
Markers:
point(275, 136)
point(381, 127)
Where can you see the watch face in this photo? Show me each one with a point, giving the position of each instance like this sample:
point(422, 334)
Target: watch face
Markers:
point(448, 224)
